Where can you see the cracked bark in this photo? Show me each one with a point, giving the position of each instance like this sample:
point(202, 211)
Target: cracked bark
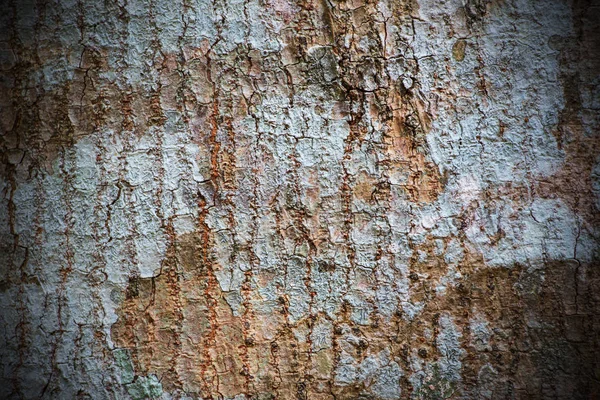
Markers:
point(299, 199)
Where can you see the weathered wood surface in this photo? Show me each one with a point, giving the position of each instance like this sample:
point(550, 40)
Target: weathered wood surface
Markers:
point(281, 199)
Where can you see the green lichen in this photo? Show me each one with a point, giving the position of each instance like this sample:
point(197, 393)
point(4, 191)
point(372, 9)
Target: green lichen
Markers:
point(435, 386)
point(145, 387)
point(138, 387)
point(123, 360)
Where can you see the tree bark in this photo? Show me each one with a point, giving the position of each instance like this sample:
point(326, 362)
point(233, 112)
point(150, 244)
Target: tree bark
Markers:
point(300, 199)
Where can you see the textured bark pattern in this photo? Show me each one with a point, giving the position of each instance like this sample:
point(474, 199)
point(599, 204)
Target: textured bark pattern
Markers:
point(300, 199)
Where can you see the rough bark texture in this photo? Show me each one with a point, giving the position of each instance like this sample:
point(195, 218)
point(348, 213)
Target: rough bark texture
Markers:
point(300, 199)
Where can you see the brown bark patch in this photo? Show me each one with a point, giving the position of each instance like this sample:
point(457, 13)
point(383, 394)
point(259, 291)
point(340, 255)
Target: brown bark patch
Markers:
point(410, 166)
point(178, 325)
point(458, 50)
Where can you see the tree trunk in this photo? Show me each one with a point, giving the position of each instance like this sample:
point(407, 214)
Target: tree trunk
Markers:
point(300, 199)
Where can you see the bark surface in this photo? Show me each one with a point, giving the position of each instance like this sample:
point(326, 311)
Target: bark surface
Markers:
point(300, 199)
